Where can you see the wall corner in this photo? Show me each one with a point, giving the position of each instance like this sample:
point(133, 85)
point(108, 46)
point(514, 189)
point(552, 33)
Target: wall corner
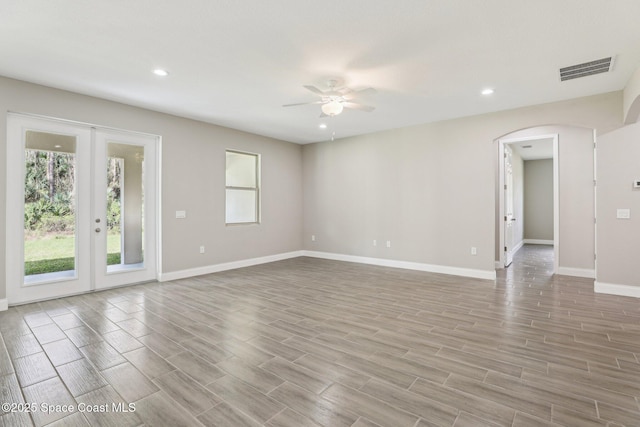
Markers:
point(631, 99)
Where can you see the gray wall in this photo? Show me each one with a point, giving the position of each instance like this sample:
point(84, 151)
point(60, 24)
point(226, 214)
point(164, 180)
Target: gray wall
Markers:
point(430, 189)
point(618, 239)
point(193, 178)
point(538, 199)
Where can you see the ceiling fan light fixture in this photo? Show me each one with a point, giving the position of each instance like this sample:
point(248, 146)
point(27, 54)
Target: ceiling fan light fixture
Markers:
point(332, 108)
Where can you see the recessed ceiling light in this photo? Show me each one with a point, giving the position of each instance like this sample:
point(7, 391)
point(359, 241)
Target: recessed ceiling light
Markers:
point(57, 146)
point(160, 72)
point(323, 126)
point(487, 91)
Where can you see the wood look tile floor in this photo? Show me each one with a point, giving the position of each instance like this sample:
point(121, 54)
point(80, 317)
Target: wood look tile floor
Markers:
point(309, 342)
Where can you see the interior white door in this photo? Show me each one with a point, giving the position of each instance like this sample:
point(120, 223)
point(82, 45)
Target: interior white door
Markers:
point(67, 232)
point(508, 206)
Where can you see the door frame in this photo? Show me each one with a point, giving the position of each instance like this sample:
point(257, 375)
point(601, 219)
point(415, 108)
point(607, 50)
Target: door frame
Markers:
point(507, 222)
point(556, 196)
point(104, 279)
point(15, 255)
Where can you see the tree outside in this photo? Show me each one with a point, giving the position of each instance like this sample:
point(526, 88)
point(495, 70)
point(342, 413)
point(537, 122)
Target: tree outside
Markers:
point(49, 211)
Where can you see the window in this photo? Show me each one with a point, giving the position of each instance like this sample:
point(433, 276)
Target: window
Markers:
point(242, 194)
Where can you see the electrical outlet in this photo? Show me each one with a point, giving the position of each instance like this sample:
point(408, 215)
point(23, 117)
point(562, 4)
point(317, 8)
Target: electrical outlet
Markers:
point(388, 243)
point(313, 237)
point(474, 250)
point(201, 249)
point(375, 243)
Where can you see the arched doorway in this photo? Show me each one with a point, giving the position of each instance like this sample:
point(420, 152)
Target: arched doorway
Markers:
point(573, 200)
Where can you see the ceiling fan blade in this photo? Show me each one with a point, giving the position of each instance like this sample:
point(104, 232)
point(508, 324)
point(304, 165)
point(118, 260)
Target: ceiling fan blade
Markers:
point(314, 89)
point(302, 103)
point(365, 91)
point(355, 94)
point(361, 107)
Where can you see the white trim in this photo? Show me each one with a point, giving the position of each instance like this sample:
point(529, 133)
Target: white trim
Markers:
point(537, 242)
point(443, 269)
point(577, 272)
point(86, 270)
point(4, 304)
point(556, 204)
point(77, 123)
point(199, 271)
point(517, 247)
point(614, 289)
point(455, 271)
point(556, 194)
point(500, 222)
point(595, 202)
point(158, 208)
point(499, 265)
point(102, 277)
point(17, 291)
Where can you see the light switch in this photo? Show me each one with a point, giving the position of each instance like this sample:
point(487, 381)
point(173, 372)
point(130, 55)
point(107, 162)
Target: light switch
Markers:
point(623, 214)
point(181, 214)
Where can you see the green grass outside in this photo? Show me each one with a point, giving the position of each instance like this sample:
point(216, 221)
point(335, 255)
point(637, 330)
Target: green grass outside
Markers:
point(56, 253)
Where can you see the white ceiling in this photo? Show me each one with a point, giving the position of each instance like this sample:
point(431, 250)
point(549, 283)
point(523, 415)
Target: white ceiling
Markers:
point(235, 63)
point(534, 149)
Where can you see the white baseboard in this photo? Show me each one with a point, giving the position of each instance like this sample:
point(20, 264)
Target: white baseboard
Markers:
point(537, 242)
point(613, 289)
point(455, 271)
point(577, 272)
point(500, 265)
point(443, 269)
point(199, 271)
point(517, 247)
point(4, 304)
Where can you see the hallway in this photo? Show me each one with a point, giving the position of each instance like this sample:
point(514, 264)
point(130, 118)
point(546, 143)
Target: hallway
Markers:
point(530, 263)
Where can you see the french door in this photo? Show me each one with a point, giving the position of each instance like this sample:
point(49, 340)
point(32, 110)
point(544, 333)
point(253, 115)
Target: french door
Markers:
point(81, 208)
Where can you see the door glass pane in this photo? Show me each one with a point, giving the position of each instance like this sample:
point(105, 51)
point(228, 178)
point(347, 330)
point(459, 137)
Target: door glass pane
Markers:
point(49, 207)
point(125, 206)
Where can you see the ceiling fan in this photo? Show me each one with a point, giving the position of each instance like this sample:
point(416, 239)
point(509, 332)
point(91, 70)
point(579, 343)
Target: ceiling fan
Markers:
point(334, 100)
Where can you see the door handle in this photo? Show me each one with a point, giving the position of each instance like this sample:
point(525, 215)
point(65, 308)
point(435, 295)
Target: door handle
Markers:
point(98, 230)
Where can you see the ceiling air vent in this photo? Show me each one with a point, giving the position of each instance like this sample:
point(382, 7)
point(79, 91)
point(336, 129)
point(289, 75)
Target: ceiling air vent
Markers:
point(603, 65)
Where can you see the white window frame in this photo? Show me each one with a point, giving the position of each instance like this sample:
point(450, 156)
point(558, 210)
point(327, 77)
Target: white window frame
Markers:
point(255, 189)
